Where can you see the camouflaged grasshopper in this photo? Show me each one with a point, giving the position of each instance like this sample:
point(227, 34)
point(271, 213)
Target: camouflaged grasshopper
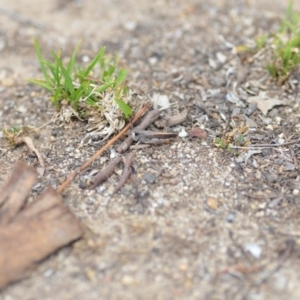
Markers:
point(153, 137)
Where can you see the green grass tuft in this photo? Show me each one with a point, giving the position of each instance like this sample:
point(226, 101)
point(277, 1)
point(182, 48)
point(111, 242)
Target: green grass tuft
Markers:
point(285, 47)
point(77, 87)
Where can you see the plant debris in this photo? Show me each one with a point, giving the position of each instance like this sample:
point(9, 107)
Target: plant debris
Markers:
point(126, 171)
point(31, 232)
point(105, 173)
point(16, 137)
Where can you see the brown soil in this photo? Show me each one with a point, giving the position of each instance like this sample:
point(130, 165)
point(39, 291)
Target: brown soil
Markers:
point(213, 225)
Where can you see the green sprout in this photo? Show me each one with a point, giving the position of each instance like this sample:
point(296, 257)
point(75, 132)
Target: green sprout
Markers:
point(285, 47)
point(239, 140)
point(260, 41)
point(77, 87)
point(220, 143)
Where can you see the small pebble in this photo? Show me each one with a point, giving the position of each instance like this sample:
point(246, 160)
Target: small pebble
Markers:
point(7, 82)
point(82, 184)
point(254, 249)
point(212, 203)
point(130, 26)
point(183, 133)
point(95, 137)
point(271, 177)
point(230, 217)
point(149, 177)
point(22, 109)
point(127, 280)
point(48, 273)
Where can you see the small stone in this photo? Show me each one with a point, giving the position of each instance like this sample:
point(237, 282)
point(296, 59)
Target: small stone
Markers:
point(183, 133)
point(95, 137)
point(254, 249)
point(48, 273)
point(221, 57)
point(130, 26)
point(183, 267)
point(271, 177)
point(22, 109)
point(127, 280)
point(85, 58)
point(149, 177)
point(230, 217)
point(40, 171)
point(288, 166)
point(296, 192)
point(82, 184)
point(37, 187)
point(55, 132)
point(7, 82)
point(153, 60)
point(212, 203)
point(90, 274)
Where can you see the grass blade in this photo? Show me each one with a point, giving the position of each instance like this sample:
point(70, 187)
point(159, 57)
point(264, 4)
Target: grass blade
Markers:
point(41, 61)
point(94, 62)
point(126, 109)
point(121, 76)
point(104, 87)
point(41, 83)
point(73, 59)
point(69, 87)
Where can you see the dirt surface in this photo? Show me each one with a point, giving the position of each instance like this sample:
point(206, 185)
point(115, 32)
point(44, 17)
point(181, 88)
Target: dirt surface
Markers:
point(213, 225)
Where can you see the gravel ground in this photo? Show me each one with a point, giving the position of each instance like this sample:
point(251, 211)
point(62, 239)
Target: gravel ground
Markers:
point(213, 225)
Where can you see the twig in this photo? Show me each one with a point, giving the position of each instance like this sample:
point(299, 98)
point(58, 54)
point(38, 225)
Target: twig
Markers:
point(199, 102)
point(265, 145)
point(105, 147)
point(105, 173)
point(148, 120)
point(294, 158)
point(28, 141)
point(46, 124)
point(126, 172)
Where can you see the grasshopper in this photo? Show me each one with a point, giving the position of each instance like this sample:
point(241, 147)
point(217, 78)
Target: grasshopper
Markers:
point(153, 137)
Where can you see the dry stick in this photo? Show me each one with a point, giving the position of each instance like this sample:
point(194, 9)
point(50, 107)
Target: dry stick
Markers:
point(148, 120)
point(294, 158)
point(28, 141)
point(105, 173)
point(265, 145)
point(126, 172)
point(105, 147)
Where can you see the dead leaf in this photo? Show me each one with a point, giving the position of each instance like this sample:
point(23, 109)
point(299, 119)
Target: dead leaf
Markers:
point(197, 132)
point(29, 233)
point(264, 103)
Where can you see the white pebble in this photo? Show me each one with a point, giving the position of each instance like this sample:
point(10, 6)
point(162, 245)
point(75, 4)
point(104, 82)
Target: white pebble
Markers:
point(183, 133)
point(254, 249)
